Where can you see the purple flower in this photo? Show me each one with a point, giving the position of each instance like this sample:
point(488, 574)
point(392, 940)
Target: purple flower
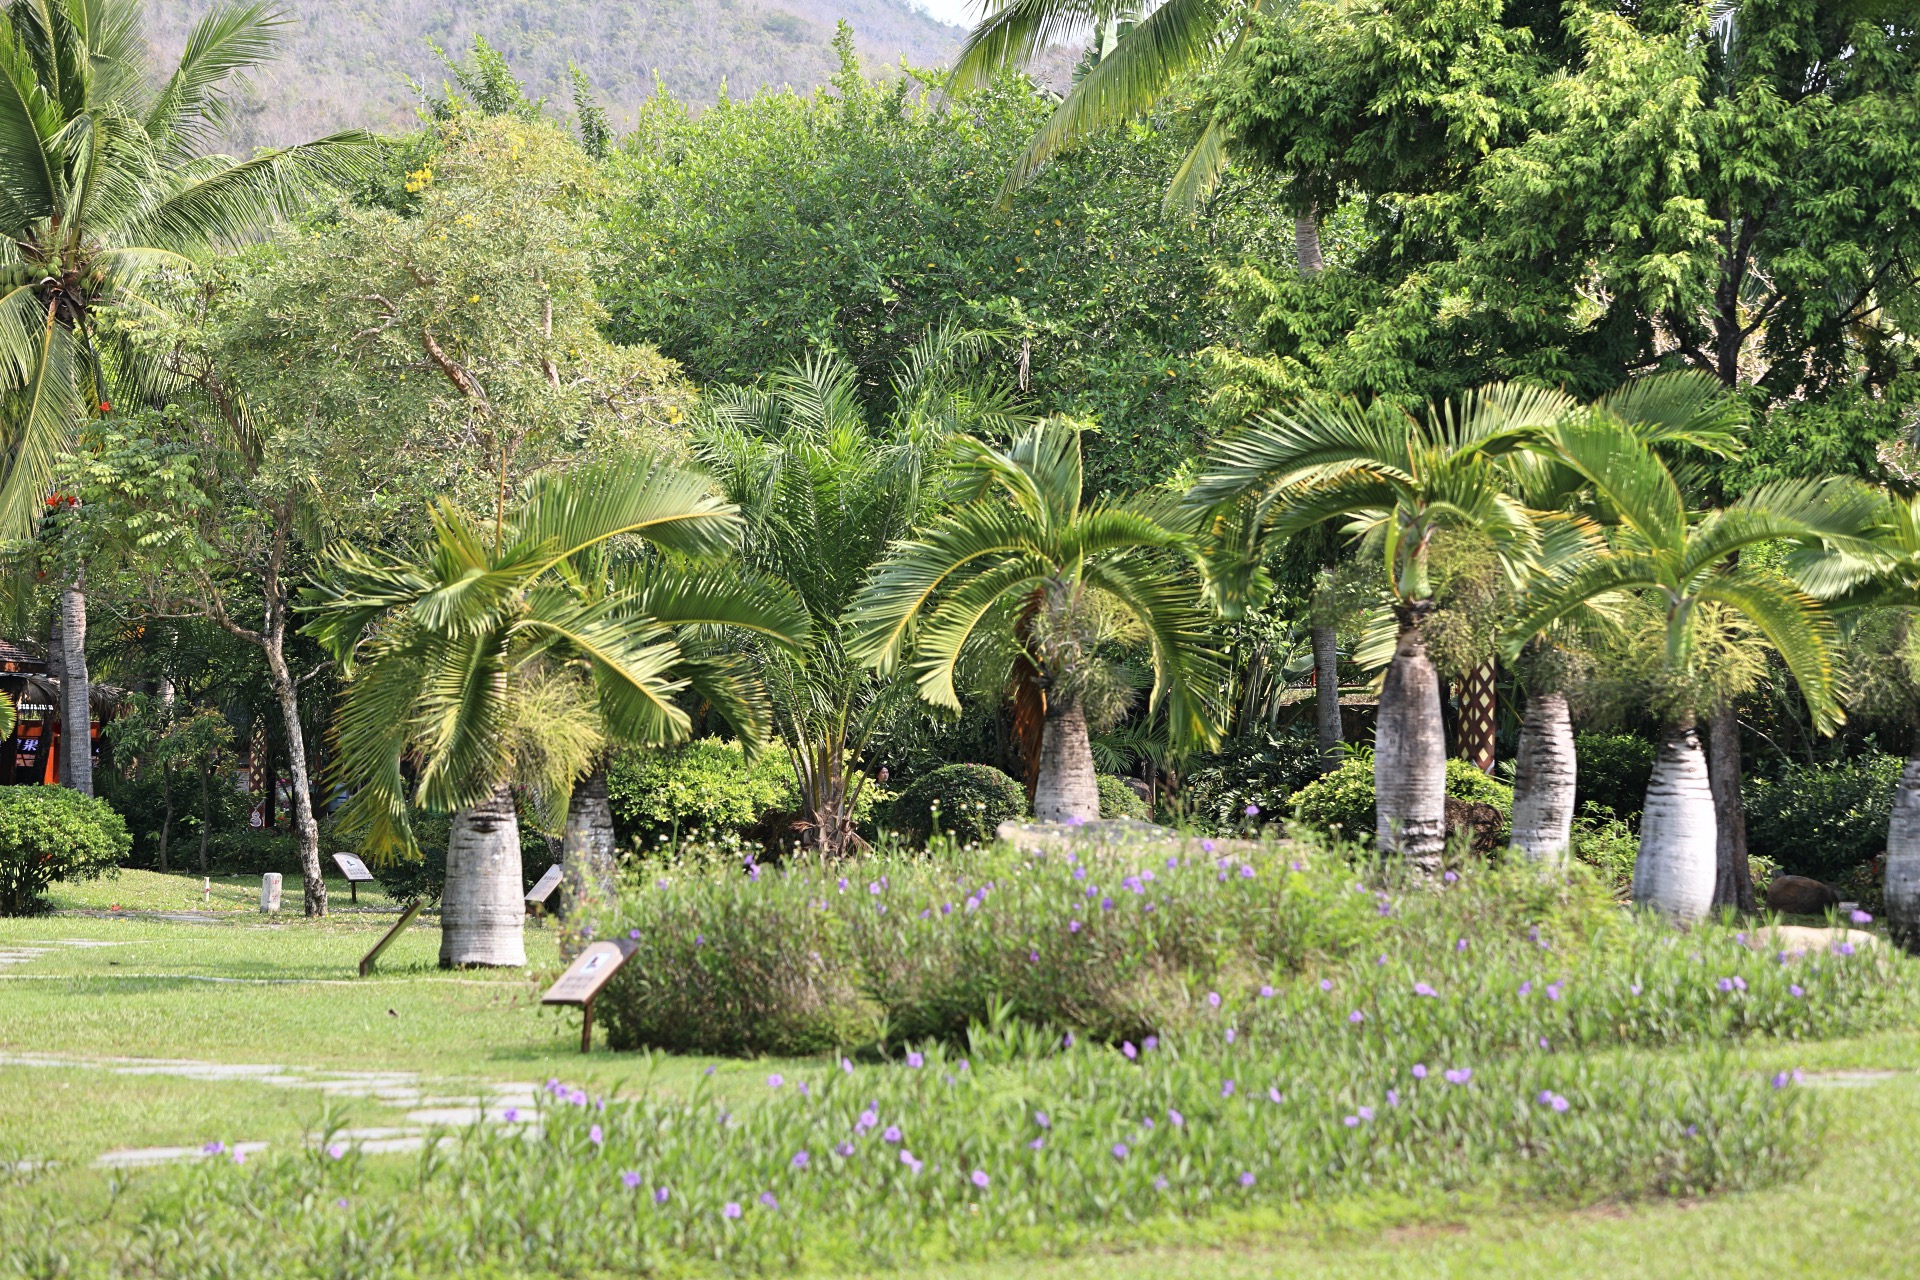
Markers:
point(775, 1081)
point(1119, 1151)
point(1066, 1041)
point(915, 1060)
point(1246, 872)
point(341, 1203)
point(1543, 1042)
point(1739, 983)
point(239, 1156)
point(731, 1209)
point(1782, 1080)
point(1213, 998)
point(1526, 988)
point(800, 1160)
point(1352, 1122)
point(1042, 1119)
point(1422, 989)
point(213, 1148)
point(634, 934)
point(1365, 1113)
point(844, 1150)
point(1226, 1088)
point(874, 887)
point(804, 1091)
point(578, 1097)
point(766, 1198)
point(699, 939)
point(1381, 961)
point(1073, 926)
point(595, 1136)
point(1553, 991)
point(891, 1133)
point(1231, 1033)
point(1296, 866)
point(336, 1150)
point(1843, 948)
point(1419, 1071)
point(661, 1195)
point(1150, 1044)
point(1459, 1075)
point(1036, 1144)
point(1725, 984)
point(1106, 904)
point(1356, 1017)
point(1796, 991)
point(1160, 1183)
point(511, 1115)
point(1127, 1050)
point(1450, 876)
point(1079, 873)
point(1246, 1179)
point(1266, 993)
point(1634, 988)
point(1033, 957)
point(1206, 846)
point(867, 1120)
point(980, 1179)
point(1175, 1119)
point(1253, 811)
point(1326, 984)
point(1460, 945)
point(1861, 917)
point(630, 1179)
point(1274, 1094)
point(1560, 1103)
point(907, 1159)
point(1393, 1097)
point(1146, 1122)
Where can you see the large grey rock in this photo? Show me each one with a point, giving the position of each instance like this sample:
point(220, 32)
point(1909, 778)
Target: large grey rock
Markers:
point(1801, 896)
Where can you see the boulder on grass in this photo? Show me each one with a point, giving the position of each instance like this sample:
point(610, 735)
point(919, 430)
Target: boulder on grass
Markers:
point(1801, 896)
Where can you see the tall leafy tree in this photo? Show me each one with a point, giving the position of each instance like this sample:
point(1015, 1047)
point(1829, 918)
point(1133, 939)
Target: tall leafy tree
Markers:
point(103, 182)
point(479, 662)
point(1024, 559)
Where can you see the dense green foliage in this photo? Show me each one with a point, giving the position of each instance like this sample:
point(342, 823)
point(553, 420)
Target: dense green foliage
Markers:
point(857, 219)
point(1823, 820)
point(1118, 800)
point(965, 802)
point(49, 834)
point(1342, 801)
point(705, 787)
point(1611, 770)
point(1263, 769)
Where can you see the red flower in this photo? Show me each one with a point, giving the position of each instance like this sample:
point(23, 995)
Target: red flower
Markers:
point(105, 407)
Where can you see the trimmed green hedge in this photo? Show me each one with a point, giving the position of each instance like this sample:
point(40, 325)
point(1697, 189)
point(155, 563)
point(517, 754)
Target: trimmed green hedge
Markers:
point(50, 834)
point(974, 799)
point(1118, 800)
point(706, 786)
point(1344, 798)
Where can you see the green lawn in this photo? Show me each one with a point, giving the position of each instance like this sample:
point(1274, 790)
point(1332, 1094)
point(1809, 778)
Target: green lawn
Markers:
point(244, 990)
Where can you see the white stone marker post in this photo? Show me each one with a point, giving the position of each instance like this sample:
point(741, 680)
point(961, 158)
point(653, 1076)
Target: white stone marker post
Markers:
point(270, 892)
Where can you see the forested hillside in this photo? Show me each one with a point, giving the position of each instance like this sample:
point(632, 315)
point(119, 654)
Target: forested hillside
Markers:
point(346, 62)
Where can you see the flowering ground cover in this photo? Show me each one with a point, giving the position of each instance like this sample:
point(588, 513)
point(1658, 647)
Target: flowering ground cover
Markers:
point(1322, 1047)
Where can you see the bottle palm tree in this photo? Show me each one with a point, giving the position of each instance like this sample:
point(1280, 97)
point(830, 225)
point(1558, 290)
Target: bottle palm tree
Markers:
point(1689, 569)
point(823, 492)
point(105, 183)
point(1025, 558)
point(481, 662)
point(1401, 481)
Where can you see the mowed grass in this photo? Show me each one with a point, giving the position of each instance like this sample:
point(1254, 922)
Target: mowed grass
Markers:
point(186, 891)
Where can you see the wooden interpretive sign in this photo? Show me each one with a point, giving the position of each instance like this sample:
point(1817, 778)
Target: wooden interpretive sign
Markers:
point(355, 871)
point(406, 918)
point(591, 970)
point(543, 888)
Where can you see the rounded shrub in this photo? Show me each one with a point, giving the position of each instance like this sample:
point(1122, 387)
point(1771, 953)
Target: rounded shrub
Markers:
point(1343, 799)
point(972, 801)
point(50, 834)
point(1823, 820)
point(1118, 800)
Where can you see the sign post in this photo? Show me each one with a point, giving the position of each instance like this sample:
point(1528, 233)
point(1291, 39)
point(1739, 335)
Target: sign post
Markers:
point(591, 970)
point(406, 918)
point(355, 871)
point(543, 889)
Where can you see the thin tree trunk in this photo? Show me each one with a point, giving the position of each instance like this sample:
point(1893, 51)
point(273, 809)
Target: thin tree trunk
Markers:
point(75, 705)
point(1067, 789)
point(1543, 780)
point(1733, 876)
point(206, 814)
point(166, 822)
point(1306, 242)
point(1410, 758)
point(1674, 874)
point(1328, 735)
point(483, 908)
point(586, 845)
point(306, 831)
point(1903, 858)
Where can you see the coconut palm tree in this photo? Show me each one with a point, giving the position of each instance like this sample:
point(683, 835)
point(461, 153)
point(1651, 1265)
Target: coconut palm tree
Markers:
point(1689, 570)
point(824, 487)
point(1022, 560)
point(105, 182)
point(480, 662)
point(1401, 481)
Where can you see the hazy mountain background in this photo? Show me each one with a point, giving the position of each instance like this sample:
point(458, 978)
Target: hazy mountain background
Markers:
point(345, 62)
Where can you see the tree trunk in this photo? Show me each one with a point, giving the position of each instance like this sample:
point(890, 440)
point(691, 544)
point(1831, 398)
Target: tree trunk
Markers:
point(1903, 858)
point(305, 830)
point(1306, 242)
point(166, 822)
point(483, 908)
point(1479, 711)
point(586, 847)
point(1410, 758)
point(1326, 695)
point(1733, 877)
point(1674, 873)
point(206, 814)
point(1543, 780)
point(76, 708)
point(1066, 789)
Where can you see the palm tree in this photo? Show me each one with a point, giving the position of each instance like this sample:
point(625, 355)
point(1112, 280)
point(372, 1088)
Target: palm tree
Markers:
point(823, 493)
point(105, 183)
point(1703, 593)
point(1023, 558)
point(481, 662)
point(1137, 53)
point(1401, 481)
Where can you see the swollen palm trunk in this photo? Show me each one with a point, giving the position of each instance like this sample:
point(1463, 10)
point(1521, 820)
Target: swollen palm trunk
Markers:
point(1543, 780)
point(1903, 859)
point(1410, 758)
point(483, 906)
point(587, 845)
point(1067, 788)
point(1679, 839)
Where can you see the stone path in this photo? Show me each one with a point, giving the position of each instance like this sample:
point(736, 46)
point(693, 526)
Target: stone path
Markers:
point(430, 1104)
